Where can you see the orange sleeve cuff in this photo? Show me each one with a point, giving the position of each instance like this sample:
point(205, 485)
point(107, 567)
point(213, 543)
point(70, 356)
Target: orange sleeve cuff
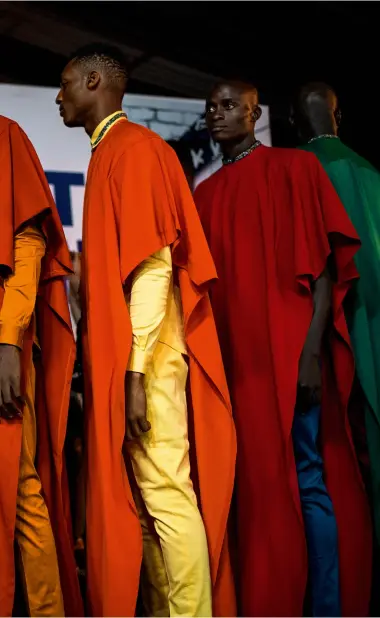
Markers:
point(11, 334)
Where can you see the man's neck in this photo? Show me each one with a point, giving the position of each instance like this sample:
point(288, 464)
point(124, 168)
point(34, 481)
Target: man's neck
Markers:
point(232, 150)
point(98, 115)
point(319, 128)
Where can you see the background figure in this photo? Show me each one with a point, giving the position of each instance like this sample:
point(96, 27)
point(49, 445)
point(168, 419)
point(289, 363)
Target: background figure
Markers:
point(317, 116)
point(283, 248)
point(184, 156)
point(74, 287)
point(75, 428)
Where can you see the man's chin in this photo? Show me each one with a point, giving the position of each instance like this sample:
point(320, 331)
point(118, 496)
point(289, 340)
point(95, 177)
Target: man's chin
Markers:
point(220, 136)
point(70, 123)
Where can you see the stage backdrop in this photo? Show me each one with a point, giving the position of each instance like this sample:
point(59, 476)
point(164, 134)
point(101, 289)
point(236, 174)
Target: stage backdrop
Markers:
point(64, 153)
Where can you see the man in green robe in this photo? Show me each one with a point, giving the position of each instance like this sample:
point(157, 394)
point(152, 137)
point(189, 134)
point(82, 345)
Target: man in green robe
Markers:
point(316, 116)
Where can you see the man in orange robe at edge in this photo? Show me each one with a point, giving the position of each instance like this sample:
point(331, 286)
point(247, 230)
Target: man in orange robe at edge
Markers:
point(37, 352)
point(147, 322)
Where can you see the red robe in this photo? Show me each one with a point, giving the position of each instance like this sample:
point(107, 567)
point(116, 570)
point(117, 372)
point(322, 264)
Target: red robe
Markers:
point(272, 220)
point(25, 194)
point(137, 201)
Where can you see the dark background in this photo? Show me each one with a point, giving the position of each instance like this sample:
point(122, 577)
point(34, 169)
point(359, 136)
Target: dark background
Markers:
point(180, 48)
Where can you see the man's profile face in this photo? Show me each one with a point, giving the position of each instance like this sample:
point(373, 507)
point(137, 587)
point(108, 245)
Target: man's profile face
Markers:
point(74, 96)
point(229, 113)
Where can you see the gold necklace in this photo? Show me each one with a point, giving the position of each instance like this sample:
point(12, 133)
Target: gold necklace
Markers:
point(106, 127)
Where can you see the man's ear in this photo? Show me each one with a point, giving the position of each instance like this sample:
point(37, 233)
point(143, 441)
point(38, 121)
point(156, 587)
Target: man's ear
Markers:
point(93, 80)
point(256, 113)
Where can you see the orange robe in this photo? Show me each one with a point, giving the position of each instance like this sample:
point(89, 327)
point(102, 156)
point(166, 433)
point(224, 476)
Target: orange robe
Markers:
point(25, 194)
point(137, 202)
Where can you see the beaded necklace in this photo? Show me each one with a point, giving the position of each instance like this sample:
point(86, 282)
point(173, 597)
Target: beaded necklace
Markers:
point(245, 153)
point(106, 127)
point(326, 136)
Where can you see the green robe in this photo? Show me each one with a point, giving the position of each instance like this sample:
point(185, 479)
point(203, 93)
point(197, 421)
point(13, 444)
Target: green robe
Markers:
point(358, 186)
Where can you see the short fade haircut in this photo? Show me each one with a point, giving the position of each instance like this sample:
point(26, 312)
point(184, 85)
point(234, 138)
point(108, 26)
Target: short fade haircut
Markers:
point(105, 58)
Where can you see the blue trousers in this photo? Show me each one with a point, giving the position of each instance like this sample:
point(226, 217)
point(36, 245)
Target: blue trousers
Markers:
point(318, 513)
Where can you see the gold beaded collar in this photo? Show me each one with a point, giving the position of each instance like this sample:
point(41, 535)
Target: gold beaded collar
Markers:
point(114, 118)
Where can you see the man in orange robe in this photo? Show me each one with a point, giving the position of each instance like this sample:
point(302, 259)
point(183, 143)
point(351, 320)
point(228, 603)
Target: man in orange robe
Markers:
point(147, 321)
point(36, 359)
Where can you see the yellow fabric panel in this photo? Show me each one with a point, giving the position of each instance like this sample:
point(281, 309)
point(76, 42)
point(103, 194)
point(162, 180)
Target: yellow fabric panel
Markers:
point(155, 310)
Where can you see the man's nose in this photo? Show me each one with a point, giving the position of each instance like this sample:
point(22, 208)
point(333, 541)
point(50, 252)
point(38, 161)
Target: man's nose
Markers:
point(58, 99)
point(218, 114)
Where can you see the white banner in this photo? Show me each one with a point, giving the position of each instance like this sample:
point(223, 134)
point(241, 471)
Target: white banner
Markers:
point(65, 153)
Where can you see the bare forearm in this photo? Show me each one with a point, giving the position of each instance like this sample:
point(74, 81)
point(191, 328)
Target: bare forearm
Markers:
point(322, 307)
point(75, 308)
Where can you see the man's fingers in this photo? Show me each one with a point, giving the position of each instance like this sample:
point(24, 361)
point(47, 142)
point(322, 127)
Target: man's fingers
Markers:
point(8, 405)
point(128, 434)
point(5, 412)
point(12, 410)
point(309, 398)
point(133, 430)
point(144, 425)
point(136, 431)
point(136, 428)
point(16, 388)
point(6, 393)
point(18, 399)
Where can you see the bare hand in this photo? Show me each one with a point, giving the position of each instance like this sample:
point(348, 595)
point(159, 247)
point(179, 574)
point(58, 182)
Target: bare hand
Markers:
point(74, 288)
point(135, 406)
point(75, 277)
point(11, 401)
point(309, 382)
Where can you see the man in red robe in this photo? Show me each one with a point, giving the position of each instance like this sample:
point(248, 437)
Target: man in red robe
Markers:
point(283, 248)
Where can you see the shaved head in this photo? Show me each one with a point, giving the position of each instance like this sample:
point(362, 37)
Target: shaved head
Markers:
point(318, 90)
point(240, 87)
point(316, 95)
point(232, 110)
point(315, 110)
